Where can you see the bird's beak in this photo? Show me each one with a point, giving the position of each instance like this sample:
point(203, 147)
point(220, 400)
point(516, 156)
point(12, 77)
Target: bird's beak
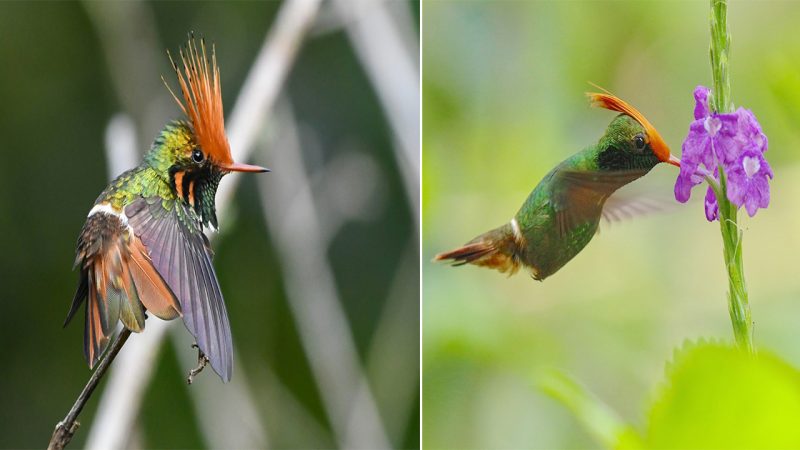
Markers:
point(239, 167)
point(673, 160)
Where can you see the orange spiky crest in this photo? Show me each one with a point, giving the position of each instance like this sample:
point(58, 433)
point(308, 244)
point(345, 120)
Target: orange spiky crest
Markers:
point(609, 101)
point(200, 86)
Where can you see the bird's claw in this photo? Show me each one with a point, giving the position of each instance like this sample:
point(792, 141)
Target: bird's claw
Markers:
point(202, 361)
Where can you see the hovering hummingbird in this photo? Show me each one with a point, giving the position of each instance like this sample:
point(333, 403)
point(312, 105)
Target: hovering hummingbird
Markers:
point(562, 213)
point(142, 247)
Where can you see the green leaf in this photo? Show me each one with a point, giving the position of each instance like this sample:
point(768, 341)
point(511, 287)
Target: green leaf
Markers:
point(717, 396)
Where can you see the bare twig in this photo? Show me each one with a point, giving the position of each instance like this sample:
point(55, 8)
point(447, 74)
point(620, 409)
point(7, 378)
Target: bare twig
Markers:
point(124, 390)
point(67, 427)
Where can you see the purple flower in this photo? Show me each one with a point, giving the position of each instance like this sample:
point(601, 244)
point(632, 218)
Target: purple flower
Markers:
point(747, 181)
point(701, 108)
point(750, 131)
point(736, 142)
point(712, 207)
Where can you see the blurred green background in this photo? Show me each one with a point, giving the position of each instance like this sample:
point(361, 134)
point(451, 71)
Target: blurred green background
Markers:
point(503, 102)
point(59, 88)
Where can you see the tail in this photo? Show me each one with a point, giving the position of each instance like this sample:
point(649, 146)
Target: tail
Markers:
point(117, 283)
point(496, 249)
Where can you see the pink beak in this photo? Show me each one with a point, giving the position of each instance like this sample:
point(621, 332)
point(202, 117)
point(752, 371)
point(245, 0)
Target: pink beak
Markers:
point(239, 167)
point(673, 160)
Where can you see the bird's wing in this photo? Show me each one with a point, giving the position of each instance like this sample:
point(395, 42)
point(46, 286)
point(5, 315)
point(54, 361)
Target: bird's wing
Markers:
point(116, 279)
point(625, 206)
point(179, 251)
point(578, 196)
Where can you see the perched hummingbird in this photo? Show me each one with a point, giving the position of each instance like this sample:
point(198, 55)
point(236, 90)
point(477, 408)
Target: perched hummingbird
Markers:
point(142, 247)
point(562, 213)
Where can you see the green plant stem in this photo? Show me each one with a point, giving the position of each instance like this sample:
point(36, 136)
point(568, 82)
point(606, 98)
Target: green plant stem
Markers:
point(738, 304)
point(720, 47)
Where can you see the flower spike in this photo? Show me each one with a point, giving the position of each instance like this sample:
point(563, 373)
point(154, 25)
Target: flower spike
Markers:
point(609, 101)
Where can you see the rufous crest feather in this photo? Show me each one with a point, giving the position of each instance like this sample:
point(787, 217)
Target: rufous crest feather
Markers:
point(200, 86)
point(610, 101)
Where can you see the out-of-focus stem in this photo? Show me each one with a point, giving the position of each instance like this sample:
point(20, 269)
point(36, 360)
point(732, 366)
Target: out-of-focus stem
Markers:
point(738, 304)
point(322, 323)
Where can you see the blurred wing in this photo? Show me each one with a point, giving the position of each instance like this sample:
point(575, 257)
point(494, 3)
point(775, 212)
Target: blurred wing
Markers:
point(579, 195)
point(624, 206)
point(179, 251)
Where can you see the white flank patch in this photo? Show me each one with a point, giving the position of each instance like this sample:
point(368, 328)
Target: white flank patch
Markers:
point(106, 208)
point(517, 232)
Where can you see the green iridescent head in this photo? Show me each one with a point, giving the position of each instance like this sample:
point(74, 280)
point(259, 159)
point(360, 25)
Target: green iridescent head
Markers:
point(625, 146)
point(193, 155)
point(622, 128)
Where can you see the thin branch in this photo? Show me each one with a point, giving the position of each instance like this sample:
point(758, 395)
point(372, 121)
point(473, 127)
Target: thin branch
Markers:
point(67, 427)
point(137, 361)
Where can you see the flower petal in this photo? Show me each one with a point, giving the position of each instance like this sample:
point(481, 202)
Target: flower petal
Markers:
point(749, 131)
point(701, 109)
point(725, 143)
point(747, 187)
point(697, 146)
point(711, 205)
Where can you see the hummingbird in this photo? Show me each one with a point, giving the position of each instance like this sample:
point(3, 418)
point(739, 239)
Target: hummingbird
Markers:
point(142, 248)
point(562, 213)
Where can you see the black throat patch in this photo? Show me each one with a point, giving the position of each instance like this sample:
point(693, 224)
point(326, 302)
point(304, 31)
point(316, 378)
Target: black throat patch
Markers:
point(197, 187)
point(614, 159)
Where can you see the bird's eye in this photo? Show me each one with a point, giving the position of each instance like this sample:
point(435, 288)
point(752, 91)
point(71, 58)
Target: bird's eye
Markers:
point(639, 142)
point(197, 155)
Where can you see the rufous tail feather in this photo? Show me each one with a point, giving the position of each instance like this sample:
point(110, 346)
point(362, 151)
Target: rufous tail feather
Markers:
point(153, 291)
point(497, 249)
point(118, 281)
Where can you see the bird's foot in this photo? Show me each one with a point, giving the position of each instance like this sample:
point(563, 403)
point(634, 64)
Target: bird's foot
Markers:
point(202, 361)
